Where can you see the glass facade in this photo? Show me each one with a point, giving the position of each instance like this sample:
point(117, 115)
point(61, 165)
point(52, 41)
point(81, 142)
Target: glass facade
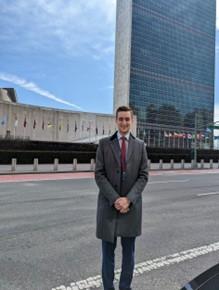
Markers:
point(172, 71)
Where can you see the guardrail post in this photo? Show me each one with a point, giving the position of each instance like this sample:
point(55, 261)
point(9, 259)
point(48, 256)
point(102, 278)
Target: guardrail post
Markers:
point(161, 164)
point(56, 163)
point(171, 164)
point(92, 164)
point(75, 164)
point(35, 164)
point(13, 164)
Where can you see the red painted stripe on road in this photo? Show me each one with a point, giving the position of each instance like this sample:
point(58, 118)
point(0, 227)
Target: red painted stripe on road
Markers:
point(85, 175)
point(45, 176)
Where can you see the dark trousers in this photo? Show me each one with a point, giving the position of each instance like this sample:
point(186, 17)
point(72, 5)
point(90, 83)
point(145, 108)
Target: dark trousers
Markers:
point(108, 263)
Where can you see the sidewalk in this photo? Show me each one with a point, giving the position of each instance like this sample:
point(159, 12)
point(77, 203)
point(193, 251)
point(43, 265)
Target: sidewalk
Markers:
point(49, 168)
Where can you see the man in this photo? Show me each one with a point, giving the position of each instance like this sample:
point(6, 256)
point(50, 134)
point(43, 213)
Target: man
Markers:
point(121, 174)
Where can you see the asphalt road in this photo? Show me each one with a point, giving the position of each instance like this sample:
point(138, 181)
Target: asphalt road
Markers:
point(47, 232)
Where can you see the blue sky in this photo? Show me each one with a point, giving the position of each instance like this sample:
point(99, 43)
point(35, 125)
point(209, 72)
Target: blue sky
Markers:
point(60, 54)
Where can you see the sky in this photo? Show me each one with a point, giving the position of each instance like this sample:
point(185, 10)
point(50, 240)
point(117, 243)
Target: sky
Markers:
point(60, 54)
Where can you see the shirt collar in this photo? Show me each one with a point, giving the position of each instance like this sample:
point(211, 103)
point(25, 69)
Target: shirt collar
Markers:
point(126, 135)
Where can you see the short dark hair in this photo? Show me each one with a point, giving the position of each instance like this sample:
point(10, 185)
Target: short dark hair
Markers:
point(123, 109)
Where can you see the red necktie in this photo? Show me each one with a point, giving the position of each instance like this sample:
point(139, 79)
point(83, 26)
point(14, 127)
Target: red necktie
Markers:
point(123, 154)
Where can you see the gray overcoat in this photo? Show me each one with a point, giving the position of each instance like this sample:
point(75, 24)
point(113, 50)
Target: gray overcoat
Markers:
point(110, 222)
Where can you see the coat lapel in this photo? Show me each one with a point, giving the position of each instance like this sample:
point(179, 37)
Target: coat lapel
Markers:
point(130, 147)
point(114, 144)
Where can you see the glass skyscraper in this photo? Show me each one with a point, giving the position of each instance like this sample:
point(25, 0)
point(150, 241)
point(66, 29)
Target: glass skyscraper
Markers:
point(164, 69)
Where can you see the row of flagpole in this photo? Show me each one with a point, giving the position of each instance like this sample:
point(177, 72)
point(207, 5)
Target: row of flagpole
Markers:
point(163, 138)
point(49, 124)
point(84, 126)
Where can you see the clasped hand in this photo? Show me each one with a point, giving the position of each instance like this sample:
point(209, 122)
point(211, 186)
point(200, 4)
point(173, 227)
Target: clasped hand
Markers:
point(122, 204)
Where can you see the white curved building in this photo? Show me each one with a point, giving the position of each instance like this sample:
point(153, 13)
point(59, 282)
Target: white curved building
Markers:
point(21, 121)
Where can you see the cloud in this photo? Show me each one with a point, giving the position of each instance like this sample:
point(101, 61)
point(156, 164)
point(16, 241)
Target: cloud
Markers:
point(30, 86)
point(71, 27)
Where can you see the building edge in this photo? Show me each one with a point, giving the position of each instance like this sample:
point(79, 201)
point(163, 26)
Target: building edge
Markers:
point(122, 53)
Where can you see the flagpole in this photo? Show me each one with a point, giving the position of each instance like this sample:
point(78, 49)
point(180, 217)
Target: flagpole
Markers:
point(144, 134)
point(149, 137)
point(33, 135)
point(89, 131)
point(195, 144)
point(154, 139)
point(159, 138)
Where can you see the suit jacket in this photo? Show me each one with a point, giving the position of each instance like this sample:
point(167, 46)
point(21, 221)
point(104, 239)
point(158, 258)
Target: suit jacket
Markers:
point(110, 222)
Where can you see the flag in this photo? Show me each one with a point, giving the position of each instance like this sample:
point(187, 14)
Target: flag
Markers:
point(16, 122)
point(166, 134)
point(34, 124)
point(25, 122)
point(49, 124)
point(3, 121)
point(60, 126)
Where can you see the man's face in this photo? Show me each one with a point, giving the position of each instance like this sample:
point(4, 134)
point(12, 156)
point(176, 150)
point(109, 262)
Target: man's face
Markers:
point(124, 121)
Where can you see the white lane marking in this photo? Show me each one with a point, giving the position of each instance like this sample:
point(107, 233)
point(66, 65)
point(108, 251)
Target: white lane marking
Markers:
point(207, 193)
point(147, 266)
point(168, 181)
point(30, 184)
point(185, 172)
